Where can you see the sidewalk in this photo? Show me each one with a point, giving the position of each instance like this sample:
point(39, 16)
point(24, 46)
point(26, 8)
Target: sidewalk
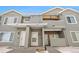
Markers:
point(49, 49)
point(23, 50)
point(52, 50)
point(68, 49)
point(4, 49)
point(32, 50)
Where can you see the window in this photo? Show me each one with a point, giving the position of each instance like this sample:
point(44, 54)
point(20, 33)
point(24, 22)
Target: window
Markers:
point(71, 19)
point(5, 20)
point(75, 35)
point(58, 34)
point(15, 19)
point(25, 19)
point(33, 39)
point(6, 36)
point(10, 20)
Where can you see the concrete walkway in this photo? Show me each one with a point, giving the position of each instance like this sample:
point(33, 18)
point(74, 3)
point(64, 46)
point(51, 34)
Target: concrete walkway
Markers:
point(23, 50)
point(49, 49)
point(32, 50)
point(4, 49)
point(52, 50)
point(68, 49)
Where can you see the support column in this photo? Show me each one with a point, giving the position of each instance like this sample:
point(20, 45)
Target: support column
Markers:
point(66, 40)
point(27, 37)
point(43, 37)
point(16, 39)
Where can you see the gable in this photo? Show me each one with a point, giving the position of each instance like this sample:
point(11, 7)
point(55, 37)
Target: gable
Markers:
point(53, 11)
point(70, 11)
point(12, 13)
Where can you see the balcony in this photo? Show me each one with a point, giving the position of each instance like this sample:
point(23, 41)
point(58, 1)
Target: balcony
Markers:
point(51, 17)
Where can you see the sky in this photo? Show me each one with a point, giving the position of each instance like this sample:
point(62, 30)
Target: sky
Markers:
point(33, 8)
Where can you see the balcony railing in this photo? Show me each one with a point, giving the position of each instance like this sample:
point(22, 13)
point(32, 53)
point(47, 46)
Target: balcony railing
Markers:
point(58, 42)
point(51, 17)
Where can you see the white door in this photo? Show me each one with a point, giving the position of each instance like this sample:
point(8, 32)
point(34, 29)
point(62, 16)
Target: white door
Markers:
point(34, 39)
point(22, 38)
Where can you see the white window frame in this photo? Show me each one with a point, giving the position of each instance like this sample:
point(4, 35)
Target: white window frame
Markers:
point(7, 31)
point(8, 17)
point(70, 16)
point(72, 37)
point(24, 20)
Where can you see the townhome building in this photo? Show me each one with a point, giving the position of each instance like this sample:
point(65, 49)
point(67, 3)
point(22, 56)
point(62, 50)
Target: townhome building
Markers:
point(56, 27)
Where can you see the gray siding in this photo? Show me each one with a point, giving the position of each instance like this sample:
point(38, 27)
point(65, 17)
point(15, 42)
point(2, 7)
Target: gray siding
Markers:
point(36, 18)
point(67, 41)
point(70, 27)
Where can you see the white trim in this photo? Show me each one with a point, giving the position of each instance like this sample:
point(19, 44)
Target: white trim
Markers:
point(72, 37)
point(4, 19)
point(10, 35)
point(27, 24)
point(42, 12)
point(67, 20)
point(10, 11)
point(69, 9)
point(52, 9)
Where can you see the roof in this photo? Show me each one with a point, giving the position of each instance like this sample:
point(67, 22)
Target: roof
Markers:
point(11, 11)
point(23, 14)
point(69, 9)
point(26, 14)
point(52, 9)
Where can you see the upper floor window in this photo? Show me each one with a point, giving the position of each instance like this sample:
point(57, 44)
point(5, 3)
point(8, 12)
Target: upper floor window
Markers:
point(50, 17)
point(25, 19)
point(5, 20)
point(10, 20)
point(15, 19)
point(71, 19)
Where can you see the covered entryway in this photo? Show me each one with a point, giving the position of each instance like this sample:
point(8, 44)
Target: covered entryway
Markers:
point(48, 35)
point(36, 37)
point(54, 38)
point(35, 34)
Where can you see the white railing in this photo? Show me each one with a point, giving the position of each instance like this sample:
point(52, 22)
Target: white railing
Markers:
point(26, 24)
point(58, 42)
